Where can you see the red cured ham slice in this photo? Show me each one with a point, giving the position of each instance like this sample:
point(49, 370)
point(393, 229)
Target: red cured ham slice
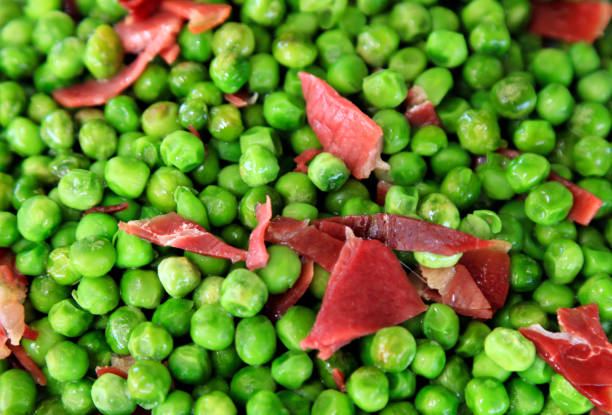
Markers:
point(572, 21)
point(241, 99)
point(304, 158)
point(367, 291)
point(408, 234)
point(586, 204)
point(581, 353)
point(338, 377)
point(137, 35)
point(597, 411)
point(193, 131)
point(308, 241)
point(97, 92)
point(28, 364)
point(382, 187)
point(30, 334)
point(277, 305)
point(419, 110)
point(140, 9)
point(201, 16)
point(342, 128)
point(490, 269)
point(458, 290)
point(108, 209)
point(175, 231)
point(170, 54)
point(103, 370)
point(257, 256)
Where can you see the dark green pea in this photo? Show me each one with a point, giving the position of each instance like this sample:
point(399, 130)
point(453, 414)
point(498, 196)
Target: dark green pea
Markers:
point(45, 292)
point(284, 112)
point(110, 395)
point(96, 347)
point(103, 53)
point(567, 397)
point(525, 273)
point(346, 74)
point(229, 71)
point(332, 402)
point(471, 341)
point(482, 71)
point(334, 201)
point(435, 399)
point(250, 380)
point(220, 204)
point(97, 295)
point(195, 47)
point(407, 168)
point(292, 369)
point(152, 84)
point(174, 315)
point(37, 349)
point(449, 157)
point(226, 362)
point(455, 376)
point(462, 186)
point(525, 398)
point(120, 325)
point(31, 260)
point(294, 403)
point(486, 396)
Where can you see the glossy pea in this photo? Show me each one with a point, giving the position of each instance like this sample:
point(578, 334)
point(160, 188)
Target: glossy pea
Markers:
point(174, 315)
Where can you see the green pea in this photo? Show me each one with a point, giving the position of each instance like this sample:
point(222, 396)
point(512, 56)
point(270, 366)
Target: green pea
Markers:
point(212, 327)
point(435, 399)
point(438, 208)
point(174, 315)
point(590, 119)
point(250, 380)
point(486, 396)
point(183, 76)
point(38, 218)
point(462, 186)
point(294, 326)
point(527, 313)
point(385, 88)
point(567, 397)
point(190, 364)
point(248, 203)
point(509, 349)
point(178, 276)
point(429, 360)
point(538, 373)
point(552, 66)
point(216, 402)
point(96, 347)
point(447, 48)
point(98, 139)
point(76, 397)
point(332, 402)
point(140, 288)
point(436, 82)
point(442, 325)
point(18, 392)
point(368, 388)
point(110, 395)
point(592, 156)
point(120, 325)
point(67, 361)
point(23, 137)
point(162, 185)
point(97, 295)
point(103, 53)
point(160, 119)
point(555, 103)
point(548, 203)
point(412, 21)
point(131, 251)
point(563, 260)
point(150, 341)
point(525, 398)
point(152, 84)
point(596, 290)
point(478, 131)
point(92, 256)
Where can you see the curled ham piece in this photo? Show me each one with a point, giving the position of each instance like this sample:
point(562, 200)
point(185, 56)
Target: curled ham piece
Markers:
point(108, 209)
point(581, 353)
point(201, 16)
point(419, 110)
point(103, 370)
point(571, 21)
point(306, 240)
point(241, 99)
point(28, 364)
point(490, 269)
point(137, 35)
point(408, 234)
point(140, 9)
point(342, 128)
point(257, 256)
point(338, 377)
point(367, 291)
point(382, 187)
point(173, 230)
point(304, 157)
point(278, 304)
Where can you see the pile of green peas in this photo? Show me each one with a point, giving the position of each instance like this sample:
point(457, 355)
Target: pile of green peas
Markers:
point(194, 326)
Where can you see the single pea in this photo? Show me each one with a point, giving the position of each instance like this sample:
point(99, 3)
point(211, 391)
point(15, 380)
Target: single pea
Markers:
point(293, 50)
point(590, 119)
point(23, 137)
point(436, 82)
point(296, 187)
point(490, 37)
point(435, 399)
point(327, 172)
point(190, 364)
point(563, 261)
point(478, 131)
point(250, 380)
point(429, 360)
point(412, 21)
point(538, 373)
point(160, 119)
point(243, 293)
point(120, 325)
point(76, 397)
point(513, 97)
point(51, 28)
point(567, 397)
point(447, 48)
point(441, 324)
point(407, 168)
point(150, 341)
point(368, 388)
point(183, 76)
point(360, 206)
point(596, 290)
point(330, 402)
point(103, 54)
point(535, 136)
point(31, 259)
point(110, 395)
point(174, 315)
point(92, 256)
point(216, 402)
point(132, 252)
point(258, 166)
point(455, 376)
point(67, 361)
point(392, 349)
point(18, 392)
point(294, 326)
point(385, 88)
point(212, 327)
point(38, 218)
point(525, 398)
point(98, 139)
point(486, 396)
point(178, 276)
point(177, 402)
point(153, 83)
point(162, 185)
point(509, 349)
point(97, 295)
point(284, 112)
point(462, 186)
point(592, 156)
point(552, 66)
point(140, 288)
point(438, 208)
point(548, 203)
point(527, 313)
point(526, 171)
point(265, 402)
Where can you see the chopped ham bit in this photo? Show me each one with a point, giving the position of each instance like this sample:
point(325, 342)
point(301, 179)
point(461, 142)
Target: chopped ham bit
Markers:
point(137, 35)
point(241, 99)
point(342, 128)
point(367, 291)
point(30, 334)
point(597, 411)
point(170, 54)
point(304, 158)
point(193, 131)
point(571, 21)
point(140, 9)
point(277, 305)
point(175, 231)
point(490, 269)
point(419, 110)
point(458, 290)
point(28, 364)
point(97, 92)
point(408, 234)
point(71, 9)
point(103, 370)
point(307, 241)
point(339, 379)
point(581, 353)
point(108, 209)
point(201, 16)
point(12, 275)
point(382, 187)
point(257, 256)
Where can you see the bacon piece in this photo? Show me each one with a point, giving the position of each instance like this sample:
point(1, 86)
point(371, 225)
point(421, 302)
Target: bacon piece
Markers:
point(241, 98)
point(419, 110)
point(30, 334)
point(28, 364)
point(71, 9)
point(586, 204)
point(201, 16)
point(408, 234)
point(307, 241)
point(571, 21)
point(581, 353)
point(382, 187)
point(108, 209)
point(257, 256)
point(490, 269)
point(278, 304)
point(173, 230)
point(97, 92)
point(367, 291)
point(458, 290)
point(339, 379)
point(103, 370)
point(304, 158)
point(140, 9)
point(137, 35)
point(342, 128)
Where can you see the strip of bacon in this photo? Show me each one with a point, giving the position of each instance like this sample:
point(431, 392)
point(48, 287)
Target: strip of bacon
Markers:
point(458, 290)
point(307, 241)
point(419, 110)
point(305, 157)
point(108, 209)
point(257, 256)
point(137, 35)
point(173, 230)
point(581, 353)
point(339, 379)
point(367, 291)
point(201, 16)
point(30, 334)
point(572, 21)
point(241, 98)
point(342, 128)
point(278, 304)
point(97, 92)
point(408, 234)
point(28, 364)
point(103, 370)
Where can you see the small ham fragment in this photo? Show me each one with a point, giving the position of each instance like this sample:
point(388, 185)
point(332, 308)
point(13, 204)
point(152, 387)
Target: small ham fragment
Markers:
point(490, 269)
point(382, 187)
point(137, 35)
point(368, 290)
point(201, 16)
point(241, 99)
point(341, 127)
point(305, 157)
point(307, 241)
point(257, 256)
point(12, 312)
point(193, 131)
point(458, 290)
point(571, 21)
point(103, 370)
point(581, 353)
point(173, 230)
point(586, 204)
point(108, 209)
point(408, 234)
point(338, 377)
point(278, 304)
point(28, 364)
point(171, 53)
point(30, 334)
point(419, 110)
point(98, 92)
point(140, 9)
